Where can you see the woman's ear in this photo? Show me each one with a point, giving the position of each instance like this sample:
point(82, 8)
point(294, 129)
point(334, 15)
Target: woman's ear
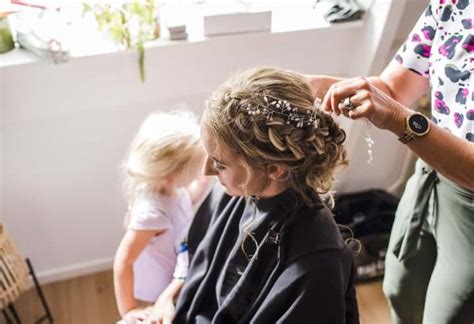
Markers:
point(276, 171)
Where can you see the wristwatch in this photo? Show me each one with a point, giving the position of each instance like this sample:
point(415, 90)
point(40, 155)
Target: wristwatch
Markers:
point(417, 125)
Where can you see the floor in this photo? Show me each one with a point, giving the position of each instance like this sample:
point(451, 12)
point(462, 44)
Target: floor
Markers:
point(90, 300)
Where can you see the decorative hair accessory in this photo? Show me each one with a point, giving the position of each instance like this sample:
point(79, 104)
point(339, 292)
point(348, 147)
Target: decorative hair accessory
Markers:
point(276, 106)
point(370, 142)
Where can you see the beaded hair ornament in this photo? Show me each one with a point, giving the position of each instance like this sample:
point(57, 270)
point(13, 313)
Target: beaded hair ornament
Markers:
point(280, 107)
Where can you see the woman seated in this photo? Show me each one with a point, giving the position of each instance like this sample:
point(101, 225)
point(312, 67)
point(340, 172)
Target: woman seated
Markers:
point(272, 251)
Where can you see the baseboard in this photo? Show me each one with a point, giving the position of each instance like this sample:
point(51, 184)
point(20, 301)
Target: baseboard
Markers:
point(74, 270)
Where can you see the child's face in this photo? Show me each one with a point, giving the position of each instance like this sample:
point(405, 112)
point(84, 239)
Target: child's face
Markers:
point(192, 173)
point(231, 174)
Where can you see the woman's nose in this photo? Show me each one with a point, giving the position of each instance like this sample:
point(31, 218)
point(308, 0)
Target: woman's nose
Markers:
point(209, 169)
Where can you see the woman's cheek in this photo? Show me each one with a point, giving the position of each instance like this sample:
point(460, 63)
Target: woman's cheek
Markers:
point(221, 178)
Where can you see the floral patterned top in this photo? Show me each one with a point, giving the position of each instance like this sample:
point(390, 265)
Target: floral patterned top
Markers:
point(441, 48)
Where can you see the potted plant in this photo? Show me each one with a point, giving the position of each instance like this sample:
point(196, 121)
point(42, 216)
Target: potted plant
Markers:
point(6, 37)
point(131, 24)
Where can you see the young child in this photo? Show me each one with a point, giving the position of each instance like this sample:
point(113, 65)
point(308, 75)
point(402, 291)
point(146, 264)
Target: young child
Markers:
point(165, 158)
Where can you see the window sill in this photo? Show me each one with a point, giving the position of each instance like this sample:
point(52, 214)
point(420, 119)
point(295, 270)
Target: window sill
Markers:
point(285, 19)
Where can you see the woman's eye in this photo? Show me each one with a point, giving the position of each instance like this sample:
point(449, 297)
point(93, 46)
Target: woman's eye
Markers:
point(218, 166)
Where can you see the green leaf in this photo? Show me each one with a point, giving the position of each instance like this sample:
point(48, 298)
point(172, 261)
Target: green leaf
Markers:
point(86, 8)
point(116, 21)
point(141, 63)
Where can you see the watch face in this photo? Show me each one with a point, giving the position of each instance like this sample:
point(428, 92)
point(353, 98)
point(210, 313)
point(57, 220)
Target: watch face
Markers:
point(418, 124)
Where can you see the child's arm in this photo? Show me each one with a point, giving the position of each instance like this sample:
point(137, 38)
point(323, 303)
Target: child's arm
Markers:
point(198, 188)
point(164, 309)
point(129, 249)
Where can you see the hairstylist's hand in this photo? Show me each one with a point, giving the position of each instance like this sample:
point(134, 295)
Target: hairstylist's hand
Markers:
point(358, 98)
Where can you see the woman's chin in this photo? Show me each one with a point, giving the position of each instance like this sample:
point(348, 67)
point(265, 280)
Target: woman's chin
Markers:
point(229, 191)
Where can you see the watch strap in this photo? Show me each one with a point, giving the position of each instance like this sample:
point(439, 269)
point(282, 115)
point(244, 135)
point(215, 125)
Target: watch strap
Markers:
point(407, 137)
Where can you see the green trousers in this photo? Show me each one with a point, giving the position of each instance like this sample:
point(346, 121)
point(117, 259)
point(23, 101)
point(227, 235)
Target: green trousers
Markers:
point(429, 267)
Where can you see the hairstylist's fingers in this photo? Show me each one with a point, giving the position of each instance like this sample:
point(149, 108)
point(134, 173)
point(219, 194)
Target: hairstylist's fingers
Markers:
point(354, 101)
point(326, 104)
point(340, 86)
point(360, 96)
point(334, 101)
point(349, 89)
point(362, 111)
point(339, 91)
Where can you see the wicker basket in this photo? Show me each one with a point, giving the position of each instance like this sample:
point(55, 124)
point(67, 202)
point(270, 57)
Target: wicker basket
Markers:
point(13, 270)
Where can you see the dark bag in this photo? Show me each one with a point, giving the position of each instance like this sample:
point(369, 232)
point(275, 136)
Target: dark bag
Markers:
point(369, 215)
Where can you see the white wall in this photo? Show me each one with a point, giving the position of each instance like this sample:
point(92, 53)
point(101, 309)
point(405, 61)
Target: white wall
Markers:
point(65, 128)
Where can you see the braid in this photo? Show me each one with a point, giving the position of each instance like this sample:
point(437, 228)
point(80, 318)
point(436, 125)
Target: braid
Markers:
point(310, 153)
point(276, 140)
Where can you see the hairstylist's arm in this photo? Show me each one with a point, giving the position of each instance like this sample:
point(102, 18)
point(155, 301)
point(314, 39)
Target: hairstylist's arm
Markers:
point(399, 83)
point(383, 100)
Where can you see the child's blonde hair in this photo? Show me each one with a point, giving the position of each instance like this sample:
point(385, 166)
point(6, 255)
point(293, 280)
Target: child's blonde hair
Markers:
point(167, 144)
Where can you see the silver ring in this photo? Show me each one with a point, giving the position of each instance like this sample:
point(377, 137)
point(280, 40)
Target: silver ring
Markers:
point(348, 104)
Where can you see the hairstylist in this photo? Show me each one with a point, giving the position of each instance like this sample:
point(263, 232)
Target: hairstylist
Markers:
point(430, 263)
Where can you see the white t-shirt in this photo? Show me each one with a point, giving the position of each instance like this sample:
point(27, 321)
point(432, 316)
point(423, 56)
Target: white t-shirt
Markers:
point(441, 48)
point(153, 269)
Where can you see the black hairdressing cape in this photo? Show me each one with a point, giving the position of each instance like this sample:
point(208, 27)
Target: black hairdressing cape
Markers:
point(302, 271)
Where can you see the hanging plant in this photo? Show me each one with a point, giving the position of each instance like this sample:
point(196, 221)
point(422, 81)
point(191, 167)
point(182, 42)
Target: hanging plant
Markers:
point(130, 24)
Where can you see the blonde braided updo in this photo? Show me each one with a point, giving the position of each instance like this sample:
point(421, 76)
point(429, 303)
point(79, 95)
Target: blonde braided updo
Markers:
point(310, 153)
